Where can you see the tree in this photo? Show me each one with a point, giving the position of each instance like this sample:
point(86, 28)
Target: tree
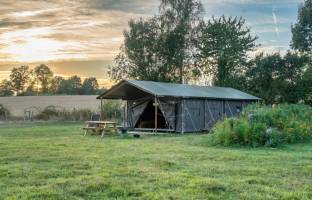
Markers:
point(306, 86)
point(71, 86)
point(264, 77)
point(20, 78)
point(277, 79)
point(158, 48)
point(55, 84)
point(302, 30)
point(291, 74)
point(5, 88)
point(43, 75)
point(89, 86)
point(223, 45)
point(179, 19)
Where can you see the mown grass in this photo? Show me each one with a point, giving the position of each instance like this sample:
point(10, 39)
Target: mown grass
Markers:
point(55, 161)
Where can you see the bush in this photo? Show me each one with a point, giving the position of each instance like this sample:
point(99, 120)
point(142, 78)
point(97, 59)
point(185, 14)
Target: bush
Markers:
point(4, 112)
point(261, 125)
point(57, 113)
point(112, 109)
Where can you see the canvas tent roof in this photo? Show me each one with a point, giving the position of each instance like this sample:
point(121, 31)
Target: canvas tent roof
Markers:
point(129, 89)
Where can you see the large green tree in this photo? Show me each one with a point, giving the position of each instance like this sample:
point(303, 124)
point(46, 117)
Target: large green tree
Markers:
point(43, 75)
point(20, 78)
point(302, 30)
point(276, 78)
point(306, 86)
point(223, 45)
point(158, 48)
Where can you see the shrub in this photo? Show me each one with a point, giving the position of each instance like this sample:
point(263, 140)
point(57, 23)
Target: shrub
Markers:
point(57, 113)
point(261, 125)
point(112, 109)
point(4, 112)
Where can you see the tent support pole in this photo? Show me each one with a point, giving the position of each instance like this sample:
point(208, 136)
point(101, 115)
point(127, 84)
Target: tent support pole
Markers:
point(126, 114)
point(155, 102)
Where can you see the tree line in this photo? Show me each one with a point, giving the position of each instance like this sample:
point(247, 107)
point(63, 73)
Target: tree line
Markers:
point(179, 45)
point(24, 81)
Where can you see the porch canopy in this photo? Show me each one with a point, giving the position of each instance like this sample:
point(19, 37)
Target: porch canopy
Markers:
point(133, 89)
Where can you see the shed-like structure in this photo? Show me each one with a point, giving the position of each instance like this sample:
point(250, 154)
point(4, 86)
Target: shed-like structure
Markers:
point(157, 106)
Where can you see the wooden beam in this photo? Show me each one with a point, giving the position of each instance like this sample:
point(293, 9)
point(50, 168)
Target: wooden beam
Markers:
point(101, 114)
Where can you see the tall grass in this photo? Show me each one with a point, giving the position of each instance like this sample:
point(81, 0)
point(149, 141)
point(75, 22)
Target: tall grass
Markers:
point(261, 125)
point(4, 112)
point(111, 110)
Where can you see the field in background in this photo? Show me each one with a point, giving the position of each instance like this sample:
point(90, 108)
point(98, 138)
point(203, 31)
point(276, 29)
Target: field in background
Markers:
point(17, 105)
point(54, 161)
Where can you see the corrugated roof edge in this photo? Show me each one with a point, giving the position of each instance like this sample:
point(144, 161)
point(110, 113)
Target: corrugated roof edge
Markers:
point(133, 83)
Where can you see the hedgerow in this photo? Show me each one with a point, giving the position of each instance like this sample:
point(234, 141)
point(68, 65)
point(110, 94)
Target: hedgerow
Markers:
point(261, 125)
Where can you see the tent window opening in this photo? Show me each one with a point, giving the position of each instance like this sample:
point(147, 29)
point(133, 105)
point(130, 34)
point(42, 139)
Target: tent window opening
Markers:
point(147, 119)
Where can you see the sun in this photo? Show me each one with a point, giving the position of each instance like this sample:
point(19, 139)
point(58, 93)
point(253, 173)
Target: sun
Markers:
point(34, 45)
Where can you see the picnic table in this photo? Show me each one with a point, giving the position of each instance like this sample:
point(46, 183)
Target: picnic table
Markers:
point(100, 126)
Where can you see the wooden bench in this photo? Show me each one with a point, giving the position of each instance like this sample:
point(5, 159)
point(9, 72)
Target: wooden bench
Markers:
point(100, 126)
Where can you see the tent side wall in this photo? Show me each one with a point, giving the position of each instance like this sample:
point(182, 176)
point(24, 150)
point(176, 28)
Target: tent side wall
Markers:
point(195, 115)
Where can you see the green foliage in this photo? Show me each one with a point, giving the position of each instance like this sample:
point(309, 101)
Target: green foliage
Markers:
point(89, 86)
point(158, 48)
point(4, 112)
point(223, 45)
point(60, 114)
point(70, 86)
point(265, 126)
point(43, 75)
point(306, 86)
point(6, 88)
point(277, 79)
point(112, 110)
point(20, 78)
point(302, 30)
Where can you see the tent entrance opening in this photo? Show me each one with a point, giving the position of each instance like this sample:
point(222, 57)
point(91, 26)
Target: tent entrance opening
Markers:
point(147, 119)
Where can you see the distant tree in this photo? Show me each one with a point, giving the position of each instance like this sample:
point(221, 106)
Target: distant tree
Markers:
point(70, 86)
point(55, 84)
point(89, 86)
point(158, 48)
point(223, 45)
point(5, 88)
point(302, 30)
point(43, 75)
point(20, 78)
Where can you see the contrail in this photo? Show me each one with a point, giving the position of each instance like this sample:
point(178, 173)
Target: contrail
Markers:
point(275, 21)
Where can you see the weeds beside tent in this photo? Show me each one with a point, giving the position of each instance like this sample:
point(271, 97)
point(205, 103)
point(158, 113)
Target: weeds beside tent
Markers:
point(158, 106)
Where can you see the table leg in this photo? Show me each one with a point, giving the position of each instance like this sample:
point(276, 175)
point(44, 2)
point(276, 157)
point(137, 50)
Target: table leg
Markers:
point(85, 133)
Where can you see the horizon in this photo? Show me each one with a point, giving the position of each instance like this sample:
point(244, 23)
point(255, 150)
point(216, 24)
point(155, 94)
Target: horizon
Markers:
point(82, 37)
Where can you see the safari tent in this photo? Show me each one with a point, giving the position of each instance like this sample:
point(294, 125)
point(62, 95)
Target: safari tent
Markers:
point(157, 106)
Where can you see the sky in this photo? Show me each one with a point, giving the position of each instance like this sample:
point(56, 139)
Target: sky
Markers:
point(81, 37)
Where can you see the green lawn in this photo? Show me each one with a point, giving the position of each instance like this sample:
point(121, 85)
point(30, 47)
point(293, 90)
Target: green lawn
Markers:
point(55, 161)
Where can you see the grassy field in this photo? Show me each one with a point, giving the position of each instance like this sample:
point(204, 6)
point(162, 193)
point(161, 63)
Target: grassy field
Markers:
point(54, 161)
